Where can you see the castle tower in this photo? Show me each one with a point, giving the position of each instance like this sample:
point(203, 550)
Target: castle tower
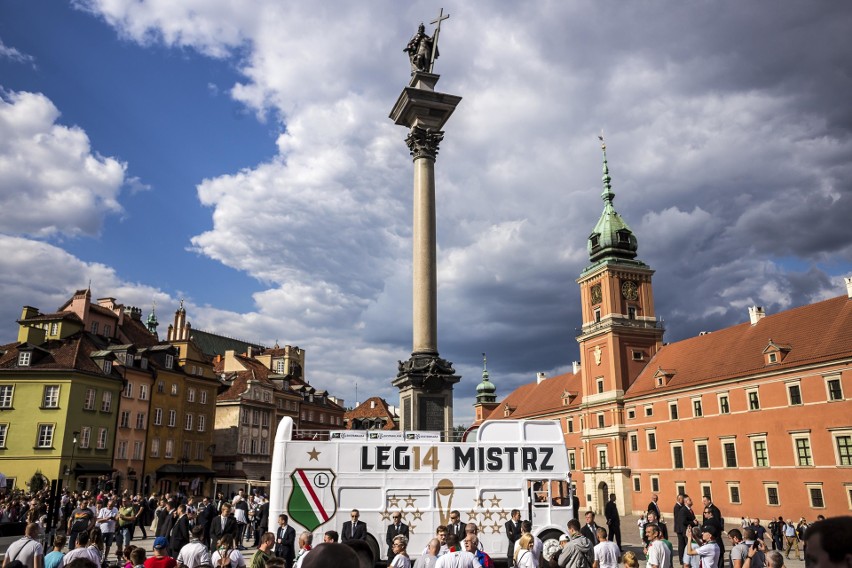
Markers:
point(486, 395)
point(620, 334)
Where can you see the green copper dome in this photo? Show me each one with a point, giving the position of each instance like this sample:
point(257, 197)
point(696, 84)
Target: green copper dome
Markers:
point(611, 238)
point(485, 391)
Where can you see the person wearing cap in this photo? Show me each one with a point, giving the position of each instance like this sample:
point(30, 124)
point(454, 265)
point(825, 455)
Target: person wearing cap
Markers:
point(709, 551)
point(161, 558)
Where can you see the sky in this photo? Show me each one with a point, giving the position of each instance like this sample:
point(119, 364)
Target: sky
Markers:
point(239, 156)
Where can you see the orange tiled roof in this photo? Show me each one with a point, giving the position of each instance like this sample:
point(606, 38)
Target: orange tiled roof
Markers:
point(72, 353)
point(814, 333)
point(365, 410)
point(536, 399)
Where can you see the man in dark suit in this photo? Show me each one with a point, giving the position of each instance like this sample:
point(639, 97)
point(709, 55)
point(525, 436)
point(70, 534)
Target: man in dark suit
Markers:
point(456, 527)
point(613, 520)
point(513, 533)
point(687, 521)
point(223, 524)
point(354, 529)
point(590, 529)
point(204, 517)
point(179, 535)
point(653, 507)
point(677, 519)
point(285, 541)
point(164, 528)
point(394, 529)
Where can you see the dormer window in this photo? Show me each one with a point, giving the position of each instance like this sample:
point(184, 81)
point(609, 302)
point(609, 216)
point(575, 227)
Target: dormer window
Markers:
point(773, 357)
point(107, 367)
point(24, 358)
point(143, 363)
point(595, 239)
point(170, 361)
point(775, 353)
point(279, 366)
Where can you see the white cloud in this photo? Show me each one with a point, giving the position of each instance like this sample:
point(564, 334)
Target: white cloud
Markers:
point(724, 158)
point(51, 182)
point(15, 55)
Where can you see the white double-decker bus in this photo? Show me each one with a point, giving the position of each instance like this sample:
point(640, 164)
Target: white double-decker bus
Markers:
point(512, 464)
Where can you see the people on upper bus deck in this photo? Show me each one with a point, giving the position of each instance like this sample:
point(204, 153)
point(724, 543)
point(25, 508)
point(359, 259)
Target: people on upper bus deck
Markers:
point(354, 529)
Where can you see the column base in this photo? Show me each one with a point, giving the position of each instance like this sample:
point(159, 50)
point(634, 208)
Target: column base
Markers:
point(426, 371)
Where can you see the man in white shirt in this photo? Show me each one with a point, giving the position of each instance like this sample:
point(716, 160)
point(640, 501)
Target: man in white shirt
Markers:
point(195, 553)
point(83, 550)
point(430, 556)
point(457, 558)
point(607, 553)
point(106, 522)
point(27, 549)
point(709, 551)
point(659, 555)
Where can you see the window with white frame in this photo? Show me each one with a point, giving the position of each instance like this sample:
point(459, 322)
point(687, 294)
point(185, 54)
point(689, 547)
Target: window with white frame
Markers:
point(673, 410)
point(170, 447)
point(124, 419)
point(190, 394)
point(634, 442)
point(601, 420)
point(724, 405)
point(705, 491)
point(759, 451)
point(602, 461)
point(54, 328)
point(102, 438)
point(572, 460)
point(244, 446)
point(187, 422)
point(264, 446)
point(45, 436)
point(24, 358)
point(729, 451)
point(773, 497)
point(174, 389)
point(140, 420)
point(702, 455)
point(4, 432)
point(631, 413)
point(649, 410)
point(734, 493)
point(106, 401)
point(172, 418)
point(843, 447)
point(137, 450)
point(833, 387)
point(85, 436)
point(753, 399)
point(637, 483)
point(203, 396)
point(121, 451)
point(143, 392)
point(201, 421)
point(794, 393)
point(128, 390)
point(279, 366)
point(600, 385)
point(170, 361)
point(158, 417)
point(802, 448)
point(697, 409)
point(89, 401)
point(815, 495)
point(107, 367)
point(652, 440)
point(155, 447)
point(253, 444)
point(6, 392)
point(51, 396)
point(107, 330)
point(94, 327)
point(655, 483)
point(677, 456)
point(161, 387)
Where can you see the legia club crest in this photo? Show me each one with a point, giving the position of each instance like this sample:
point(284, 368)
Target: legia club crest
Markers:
point(312, 502)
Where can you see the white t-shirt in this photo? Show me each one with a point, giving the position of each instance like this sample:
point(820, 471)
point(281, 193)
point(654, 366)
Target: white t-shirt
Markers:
point(400, 561)
point(709, 554)
point(107, 513)
point(659, 554)
point(194, 554)
point(458, 559)
point(236, 559)
point(607, 553)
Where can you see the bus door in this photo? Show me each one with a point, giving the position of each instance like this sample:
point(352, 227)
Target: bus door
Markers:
point(539, 501)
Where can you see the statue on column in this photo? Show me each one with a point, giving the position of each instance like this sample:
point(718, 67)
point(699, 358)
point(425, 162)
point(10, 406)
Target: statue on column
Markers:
point(420, 51)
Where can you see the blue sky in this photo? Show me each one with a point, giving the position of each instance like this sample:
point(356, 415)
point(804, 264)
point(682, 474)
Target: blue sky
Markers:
point(243, 159)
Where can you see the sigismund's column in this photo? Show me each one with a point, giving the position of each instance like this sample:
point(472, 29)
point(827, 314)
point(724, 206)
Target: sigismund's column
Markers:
point(425, 380)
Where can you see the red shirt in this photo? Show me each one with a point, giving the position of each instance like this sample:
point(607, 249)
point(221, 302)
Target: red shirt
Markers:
point(160, 562)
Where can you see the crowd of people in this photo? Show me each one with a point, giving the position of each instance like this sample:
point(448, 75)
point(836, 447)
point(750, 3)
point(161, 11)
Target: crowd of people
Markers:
point(204, 533)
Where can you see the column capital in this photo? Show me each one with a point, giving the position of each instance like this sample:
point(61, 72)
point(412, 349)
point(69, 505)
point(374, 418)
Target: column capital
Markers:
point(423, 142)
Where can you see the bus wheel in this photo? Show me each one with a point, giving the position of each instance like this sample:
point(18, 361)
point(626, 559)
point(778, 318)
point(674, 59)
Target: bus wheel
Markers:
point(374, 548)
point(548, 534)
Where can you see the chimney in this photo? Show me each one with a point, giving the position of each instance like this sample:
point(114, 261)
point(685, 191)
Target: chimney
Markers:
point(249, 351)
point(540, 376)
point(756, 313)
point(575, 367)
point(849, 286)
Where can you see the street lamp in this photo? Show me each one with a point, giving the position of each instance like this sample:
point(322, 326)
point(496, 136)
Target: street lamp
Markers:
point(70, 467)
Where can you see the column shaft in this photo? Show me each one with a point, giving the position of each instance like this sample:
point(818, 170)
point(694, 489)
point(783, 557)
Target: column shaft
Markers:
point(425, 278)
